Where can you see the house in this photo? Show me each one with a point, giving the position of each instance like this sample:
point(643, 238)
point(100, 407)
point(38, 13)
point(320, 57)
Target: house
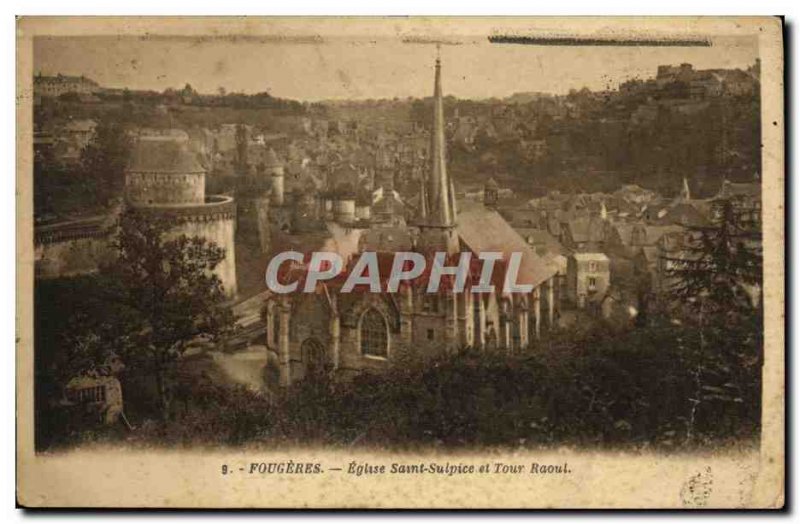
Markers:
point(97, 397)
point(654, 247)
point(588, 278)
point(540, 240)
point(71, 139)
point(687, 214)
point(589, 234)
point(464, 135)
point(745, 197)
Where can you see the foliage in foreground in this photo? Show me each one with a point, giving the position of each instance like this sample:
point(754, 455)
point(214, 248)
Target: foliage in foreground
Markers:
point(645, 387)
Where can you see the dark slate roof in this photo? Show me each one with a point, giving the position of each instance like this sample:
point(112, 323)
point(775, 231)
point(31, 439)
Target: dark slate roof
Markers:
point(343, 190)
point(387, 240)
point(540, 239)
point(485, 230)
point(684, 213)
point(588, 229)
point(648, 234)
point(163, 155)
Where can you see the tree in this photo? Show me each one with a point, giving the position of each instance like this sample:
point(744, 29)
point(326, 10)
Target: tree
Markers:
point(169, 294)
point(242, 139)
point(720, 263)
point(103, 161)
point(717, 280)
point(420, 112)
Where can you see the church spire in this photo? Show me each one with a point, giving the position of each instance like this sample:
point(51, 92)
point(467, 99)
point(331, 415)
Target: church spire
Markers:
point(423, 200)
point(453, 211)
point(437, 220)
point(440, 200)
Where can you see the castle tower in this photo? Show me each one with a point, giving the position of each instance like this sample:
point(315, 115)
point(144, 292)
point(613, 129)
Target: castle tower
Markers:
point(254, 194)
point(344, 205)
point(384, 169)
point(165, 180)
point(437, 230)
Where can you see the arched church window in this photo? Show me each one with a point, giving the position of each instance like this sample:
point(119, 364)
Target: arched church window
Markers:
point(374, 334)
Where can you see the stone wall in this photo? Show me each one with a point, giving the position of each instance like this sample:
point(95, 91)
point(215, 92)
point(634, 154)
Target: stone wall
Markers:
point(310, 320)
point(72, 248)
point(68, 258)
point(221, 231)
point(215, 221)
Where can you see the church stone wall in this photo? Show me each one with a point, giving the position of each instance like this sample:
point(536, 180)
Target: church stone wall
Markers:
point(310, 320)
point(429, 329)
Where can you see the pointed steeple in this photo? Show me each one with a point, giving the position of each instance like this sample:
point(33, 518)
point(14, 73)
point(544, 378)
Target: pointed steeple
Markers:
point(603, 210)
point(423, 200)
point(453, 210)
point(439, 185)
point(437, 220)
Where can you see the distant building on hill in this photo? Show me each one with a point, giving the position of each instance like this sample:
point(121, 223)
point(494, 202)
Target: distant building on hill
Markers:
point(55, 86)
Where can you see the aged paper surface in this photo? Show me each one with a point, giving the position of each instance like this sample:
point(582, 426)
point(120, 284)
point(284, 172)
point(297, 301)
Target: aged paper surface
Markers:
point(636, 164)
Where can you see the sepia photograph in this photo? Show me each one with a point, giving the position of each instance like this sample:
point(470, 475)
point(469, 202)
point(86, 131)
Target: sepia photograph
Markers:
point(400, 262)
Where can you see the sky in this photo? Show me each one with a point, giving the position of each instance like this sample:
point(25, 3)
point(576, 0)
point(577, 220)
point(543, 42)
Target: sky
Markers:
point(364, 67)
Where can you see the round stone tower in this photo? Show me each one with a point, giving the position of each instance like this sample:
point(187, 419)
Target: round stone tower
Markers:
point(274, 168)
point(344, 205)
point(165, 180)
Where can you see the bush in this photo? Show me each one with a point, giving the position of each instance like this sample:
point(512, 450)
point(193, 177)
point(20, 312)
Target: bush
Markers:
point(643, 387)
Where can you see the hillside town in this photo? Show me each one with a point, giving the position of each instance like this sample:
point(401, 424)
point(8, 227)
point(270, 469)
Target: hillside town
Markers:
point(583, 184)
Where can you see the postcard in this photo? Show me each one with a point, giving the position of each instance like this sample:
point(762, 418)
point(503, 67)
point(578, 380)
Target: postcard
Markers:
point(400, 263)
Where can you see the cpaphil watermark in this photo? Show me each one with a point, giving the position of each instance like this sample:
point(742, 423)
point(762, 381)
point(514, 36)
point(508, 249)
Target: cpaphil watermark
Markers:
point(293, 272)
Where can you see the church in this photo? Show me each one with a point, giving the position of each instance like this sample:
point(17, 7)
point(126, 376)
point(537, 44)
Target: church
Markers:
point(348, 333)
